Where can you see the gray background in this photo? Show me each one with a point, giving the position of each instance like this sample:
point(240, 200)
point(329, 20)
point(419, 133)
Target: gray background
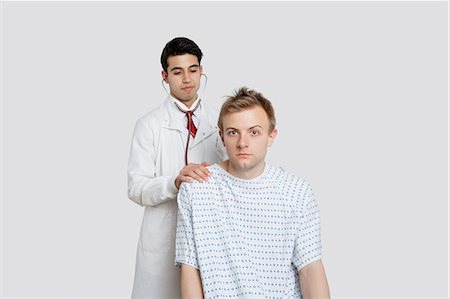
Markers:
point(359, 88)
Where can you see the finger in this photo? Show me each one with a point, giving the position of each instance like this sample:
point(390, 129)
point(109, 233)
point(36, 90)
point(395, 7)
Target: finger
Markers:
point(202, 172)
point(186, 179)
point(196, 176)
point(189, 168)
point(186, 170)
point(206, 164)
point(199, 176)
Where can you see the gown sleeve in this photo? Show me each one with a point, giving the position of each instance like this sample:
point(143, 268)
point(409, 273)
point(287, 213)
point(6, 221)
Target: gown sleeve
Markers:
point(186, 251)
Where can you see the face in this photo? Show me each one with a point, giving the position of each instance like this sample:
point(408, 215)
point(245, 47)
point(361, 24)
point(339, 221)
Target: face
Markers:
point(183, 76)
point(246, 138)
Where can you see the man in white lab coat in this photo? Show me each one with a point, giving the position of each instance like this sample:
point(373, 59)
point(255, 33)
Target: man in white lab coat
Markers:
point(171, 144)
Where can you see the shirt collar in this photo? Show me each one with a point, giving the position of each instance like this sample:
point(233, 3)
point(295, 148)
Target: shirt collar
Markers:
point(183, 106)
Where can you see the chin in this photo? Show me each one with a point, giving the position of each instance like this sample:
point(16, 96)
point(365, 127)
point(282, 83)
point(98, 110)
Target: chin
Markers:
point(243, 165)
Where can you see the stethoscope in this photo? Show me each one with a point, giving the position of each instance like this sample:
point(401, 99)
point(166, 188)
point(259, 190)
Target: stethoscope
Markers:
point(206, 83)
point(189, 114)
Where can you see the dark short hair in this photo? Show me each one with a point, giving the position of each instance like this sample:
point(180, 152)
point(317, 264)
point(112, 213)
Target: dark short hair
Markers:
point(243, 99)
point(179, 46)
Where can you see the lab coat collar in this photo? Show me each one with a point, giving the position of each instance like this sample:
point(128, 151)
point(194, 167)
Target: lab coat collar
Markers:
point(175, 119)
point(183, 106)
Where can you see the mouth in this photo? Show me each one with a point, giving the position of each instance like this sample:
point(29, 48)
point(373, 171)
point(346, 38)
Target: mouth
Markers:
point(187, 88)
point(243, 155)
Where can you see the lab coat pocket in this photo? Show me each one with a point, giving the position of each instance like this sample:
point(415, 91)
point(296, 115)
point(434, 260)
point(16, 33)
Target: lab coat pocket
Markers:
point(157, 227)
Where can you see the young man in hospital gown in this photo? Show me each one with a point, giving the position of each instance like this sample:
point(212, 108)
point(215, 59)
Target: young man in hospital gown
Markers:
point(170, 145)
point(252, 230)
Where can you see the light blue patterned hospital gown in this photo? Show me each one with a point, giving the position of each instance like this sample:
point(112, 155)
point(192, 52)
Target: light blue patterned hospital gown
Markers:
point(248, 238)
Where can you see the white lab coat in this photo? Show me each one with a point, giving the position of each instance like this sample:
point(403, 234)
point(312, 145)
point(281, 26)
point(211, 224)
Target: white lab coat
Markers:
point(156, 158)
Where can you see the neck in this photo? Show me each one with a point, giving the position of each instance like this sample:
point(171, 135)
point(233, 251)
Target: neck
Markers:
point(187, 103)
point(246, 174)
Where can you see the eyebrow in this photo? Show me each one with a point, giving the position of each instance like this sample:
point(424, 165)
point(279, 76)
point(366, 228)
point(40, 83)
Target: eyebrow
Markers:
point(180, 68)
point(256, 126)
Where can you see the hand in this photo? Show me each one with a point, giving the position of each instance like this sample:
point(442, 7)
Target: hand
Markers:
point(192, 172)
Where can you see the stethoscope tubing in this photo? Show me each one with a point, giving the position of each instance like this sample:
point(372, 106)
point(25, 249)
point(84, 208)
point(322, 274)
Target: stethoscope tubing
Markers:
point(189, 118)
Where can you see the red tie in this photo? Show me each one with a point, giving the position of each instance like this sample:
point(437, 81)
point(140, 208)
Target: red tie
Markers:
point(190, 126)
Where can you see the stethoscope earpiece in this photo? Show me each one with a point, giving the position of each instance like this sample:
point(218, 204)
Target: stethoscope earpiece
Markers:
point(206, 83)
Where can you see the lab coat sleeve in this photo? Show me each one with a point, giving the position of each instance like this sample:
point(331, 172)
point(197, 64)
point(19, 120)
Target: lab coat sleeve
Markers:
point(144, 187)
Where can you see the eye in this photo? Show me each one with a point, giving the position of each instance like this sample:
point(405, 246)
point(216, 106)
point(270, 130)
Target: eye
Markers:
point(176, 73)
point(231, 132)
point(194, 70)
point(254, 132)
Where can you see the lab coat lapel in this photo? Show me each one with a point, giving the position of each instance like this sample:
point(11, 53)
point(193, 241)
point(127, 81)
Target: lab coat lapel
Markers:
point(205, 128)
point(172, 119)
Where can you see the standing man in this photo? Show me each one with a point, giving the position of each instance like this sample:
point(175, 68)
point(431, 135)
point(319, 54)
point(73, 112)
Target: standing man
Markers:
point(171, 144)
point(253, 229)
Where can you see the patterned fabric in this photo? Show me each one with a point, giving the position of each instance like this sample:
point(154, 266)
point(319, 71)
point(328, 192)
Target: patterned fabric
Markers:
point(248, 238)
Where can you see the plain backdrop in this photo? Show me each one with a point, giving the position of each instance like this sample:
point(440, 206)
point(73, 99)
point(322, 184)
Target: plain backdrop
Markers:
point(360, 90)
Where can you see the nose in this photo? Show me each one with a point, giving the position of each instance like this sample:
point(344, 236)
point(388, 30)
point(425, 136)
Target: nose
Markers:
point(243, 141)
point(186, 77)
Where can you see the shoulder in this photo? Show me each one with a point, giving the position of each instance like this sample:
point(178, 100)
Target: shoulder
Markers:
point(210, 109)
point(153, 117)
point(214, 169)
point(279, 174)
point(196, 194)
point(211, 113)
point(205, 188)
point(295, 187)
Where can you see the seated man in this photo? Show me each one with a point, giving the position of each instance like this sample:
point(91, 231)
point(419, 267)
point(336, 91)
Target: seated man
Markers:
point(252, 230)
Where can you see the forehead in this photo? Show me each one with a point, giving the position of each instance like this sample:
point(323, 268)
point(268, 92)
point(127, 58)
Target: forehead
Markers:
point(185, 60)
point(247, 118)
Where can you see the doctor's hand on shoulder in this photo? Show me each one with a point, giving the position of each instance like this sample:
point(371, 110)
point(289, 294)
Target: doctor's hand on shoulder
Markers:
point(191, 172)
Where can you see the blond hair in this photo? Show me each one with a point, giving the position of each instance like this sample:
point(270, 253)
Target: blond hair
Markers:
point(245, 98)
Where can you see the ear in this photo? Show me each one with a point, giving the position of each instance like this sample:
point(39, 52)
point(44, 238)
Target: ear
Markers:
point(221, 137)
point(272, 136)
point(201, 70)
point(164, 75)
